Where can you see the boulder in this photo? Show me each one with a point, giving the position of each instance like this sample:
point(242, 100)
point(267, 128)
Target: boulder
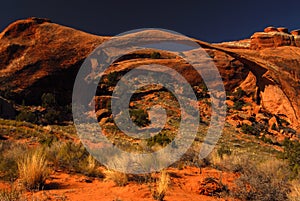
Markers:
point(273, 124)
point(270, 29)
point(275, 101)
point(297, 40)
point(249, 84)
point(295, 32)
point(263, 40)
point(283, 30)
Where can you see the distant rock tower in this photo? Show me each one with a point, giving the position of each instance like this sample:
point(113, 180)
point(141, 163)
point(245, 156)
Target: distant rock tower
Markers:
point(275, 37)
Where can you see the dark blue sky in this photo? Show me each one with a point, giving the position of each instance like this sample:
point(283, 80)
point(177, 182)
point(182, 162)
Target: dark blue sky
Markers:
point(211, 21)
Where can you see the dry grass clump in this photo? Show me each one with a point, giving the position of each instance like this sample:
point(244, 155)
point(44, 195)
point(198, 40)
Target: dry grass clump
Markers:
point(294, 195)
point(33, 170)
point(11, 194)
point(9, 155)
point(263, 182)
point(261, 178)
point(229, 162)
point(120, 178)
point(90, 167)
point(162, 186)
point(73, 157)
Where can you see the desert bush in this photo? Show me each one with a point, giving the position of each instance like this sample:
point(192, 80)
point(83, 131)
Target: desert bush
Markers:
point(66, 155)
point(72, 157)
point(294, 195)
point(247, 129)
point(263, 182)
point(9, 155)
point(292, 155)
point(162, 186)
point(8, 168)
point(155, 55)
point(90, 167)
point(139, 117)
point(213, 187)
point(239, 93)
point(27, 116)
point(11, 194)
point(229, 162)
point(52, 116)
point(161, 139)
point(119, 178)
point(266, 140)
point(48, 100)
point(47, 140)
point(112, 78)
point(33, 170)
point(238, 104)
point(224, 150)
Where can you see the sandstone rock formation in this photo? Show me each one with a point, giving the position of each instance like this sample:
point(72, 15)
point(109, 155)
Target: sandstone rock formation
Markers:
point(39, 56)
point(270, 29)
point(274, 37)
point(295, 32)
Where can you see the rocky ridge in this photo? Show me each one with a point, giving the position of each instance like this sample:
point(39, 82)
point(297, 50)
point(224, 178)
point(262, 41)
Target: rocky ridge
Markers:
point(275, 37)
point(38, 56)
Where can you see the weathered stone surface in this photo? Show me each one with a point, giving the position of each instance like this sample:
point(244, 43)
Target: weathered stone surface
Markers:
point(249, 84)
point(295, 32)
point(273, 124)
point(283, 30)
point(297, 40)
point(47, 56)
point(270, 29)
point(275, 101)
point(263, 40)
point(274, 37)
point(37, 56)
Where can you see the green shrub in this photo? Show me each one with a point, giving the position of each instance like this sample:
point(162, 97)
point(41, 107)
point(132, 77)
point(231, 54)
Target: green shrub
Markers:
point(52, 116)
point(155, 55)
point(266, 140)
point(247, 129)
point(139, 117)
point(262, 182)
point(27, 116)
point(113, 78)
point(8, 168)
point(239, 93)
point(48, 100)
point(238, 104)
point(72, 158)
point(292, 155)
point(48, 140)
point(224, 150)
point(9, 156)
point(160, 139)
